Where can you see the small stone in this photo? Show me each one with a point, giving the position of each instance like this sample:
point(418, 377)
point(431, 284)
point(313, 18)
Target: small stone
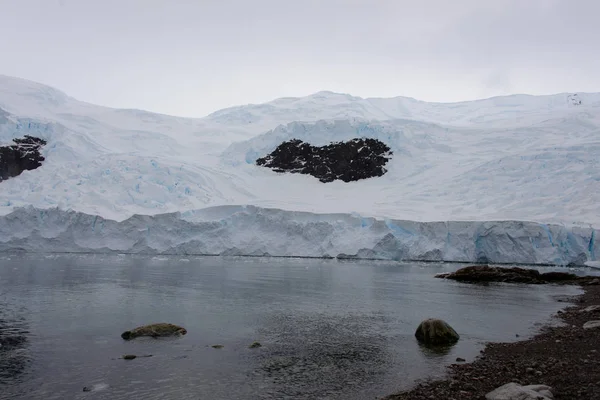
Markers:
point(129, 356)
point(255, 345)
point(539, 373)
point(217, 346)
point(530, 370)
point(458, 359)
point(87, 389)
point(517, 335)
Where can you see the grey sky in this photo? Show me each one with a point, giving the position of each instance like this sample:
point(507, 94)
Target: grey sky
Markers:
point(193, 57)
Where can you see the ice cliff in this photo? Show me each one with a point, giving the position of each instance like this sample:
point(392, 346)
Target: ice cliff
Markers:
point(249, 230)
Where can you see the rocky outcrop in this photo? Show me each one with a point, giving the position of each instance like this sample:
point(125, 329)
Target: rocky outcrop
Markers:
point(22, 156)
point(154, 330)
point(347, 161)
point(485, 273)
point(436, 332)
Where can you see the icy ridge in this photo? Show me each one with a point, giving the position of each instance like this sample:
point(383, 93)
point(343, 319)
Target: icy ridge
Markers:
point(249, 230)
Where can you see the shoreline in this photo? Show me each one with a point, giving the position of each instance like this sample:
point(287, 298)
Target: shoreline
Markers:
point(563, 357)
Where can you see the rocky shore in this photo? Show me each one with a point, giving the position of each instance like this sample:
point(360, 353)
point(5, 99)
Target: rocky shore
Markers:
point(566, 358)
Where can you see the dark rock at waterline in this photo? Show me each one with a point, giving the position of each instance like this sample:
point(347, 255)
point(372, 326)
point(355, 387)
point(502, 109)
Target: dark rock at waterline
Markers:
point(485, 273)
point(133, 356)
point(436, 332)
point(22, 156)
point(154, 330)
point(255, 345)
point(347, 161)
point(562, 356)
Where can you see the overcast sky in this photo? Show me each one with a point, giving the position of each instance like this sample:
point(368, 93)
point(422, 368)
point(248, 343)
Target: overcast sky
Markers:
point(192, 57)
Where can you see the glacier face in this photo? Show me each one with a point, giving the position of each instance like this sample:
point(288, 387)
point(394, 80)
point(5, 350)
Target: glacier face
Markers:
point(249, 230)
point(512, 158)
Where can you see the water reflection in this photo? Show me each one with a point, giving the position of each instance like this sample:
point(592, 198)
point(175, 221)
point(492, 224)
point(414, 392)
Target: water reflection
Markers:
point(432, 351)
point(14, 343)
point(319, 355)
point(328, 329)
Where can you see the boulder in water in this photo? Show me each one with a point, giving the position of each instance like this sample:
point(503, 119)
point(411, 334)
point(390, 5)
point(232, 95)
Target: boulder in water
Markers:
point(154, 330)
point(437, 332)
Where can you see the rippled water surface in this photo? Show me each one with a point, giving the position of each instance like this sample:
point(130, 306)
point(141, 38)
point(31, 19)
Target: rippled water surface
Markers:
point(329, 329)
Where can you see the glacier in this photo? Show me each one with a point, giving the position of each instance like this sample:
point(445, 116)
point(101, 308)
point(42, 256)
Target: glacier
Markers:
point(255, 231)
point(512, 179)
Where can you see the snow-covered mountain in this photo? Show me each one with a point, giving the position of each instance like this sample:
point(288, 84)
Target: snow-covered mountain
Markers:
point(520, 157)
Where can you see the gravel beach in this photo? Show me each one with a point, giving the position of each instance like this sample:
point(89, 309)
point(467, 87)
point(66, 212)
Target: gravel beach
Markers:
point(566, 358)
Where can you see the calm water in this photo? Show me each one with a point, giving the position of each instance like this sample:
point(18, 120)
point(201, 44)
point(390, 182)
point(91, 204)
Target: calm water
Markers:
point(329, 329)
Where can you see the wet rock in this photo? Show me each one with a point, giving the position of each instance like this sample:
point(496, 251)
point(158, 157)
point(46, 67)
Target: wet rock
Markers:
point(87, 389)
point(255, 345)
point(347, 161)
point(154, 330)
point(591, 308)
point(458, 359)
point(436, 332)
point(217, 346)
point(485, 273)
point(591, 324)
point(514, 391)
point(129, 357)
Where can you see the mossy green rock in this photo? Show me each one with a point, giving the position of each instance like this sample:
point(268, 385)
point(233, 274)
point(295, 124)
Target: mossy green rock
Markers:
point(154, 330)
point(437, 332)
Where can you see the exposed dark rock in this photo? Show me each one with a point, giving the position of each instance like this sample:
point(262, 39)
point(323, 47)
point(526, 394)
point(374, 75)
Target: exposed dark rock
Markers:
point(22, 156)
point(485, 273)
point(129, 357)
point(347, 161)
point(436, 332)
point(255, 345)
point(154, 330)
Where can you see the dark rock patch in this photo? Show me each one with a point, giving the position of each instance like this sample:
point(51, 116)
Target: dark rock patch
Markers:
point(155, 331)
point(485, 273)
point(436, 332)
point(348, 161)
point(24, 155)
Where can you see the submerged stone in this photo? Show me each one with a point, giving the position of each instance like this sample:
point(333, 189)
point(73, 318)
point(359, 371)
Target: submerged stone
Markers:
point(436, 332)
point(154, 330)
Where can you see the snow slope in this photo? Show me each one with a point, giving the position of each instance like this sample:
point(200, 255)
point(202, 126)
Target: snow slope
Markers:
point(520, 158)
